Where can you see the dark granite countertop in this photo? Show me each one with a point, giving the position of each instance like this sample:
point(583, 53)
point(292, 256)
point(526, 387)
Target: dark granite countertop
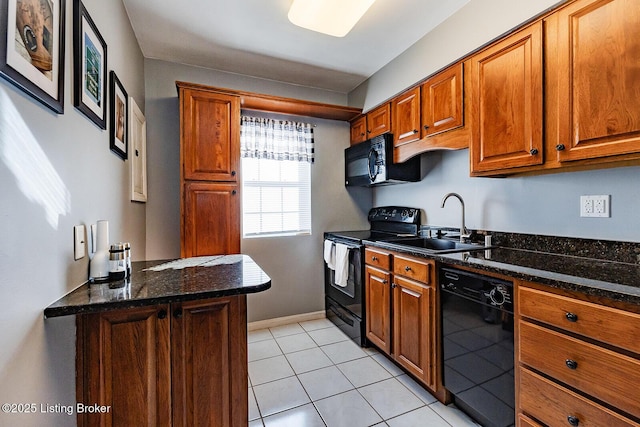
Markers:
point(618, 281)
point(162, 282)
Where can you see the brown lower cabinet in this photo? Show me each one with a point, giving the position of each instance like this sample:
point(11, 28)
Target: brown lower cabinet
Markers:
point(577, 361)
point(401, 314)
point(180, 364)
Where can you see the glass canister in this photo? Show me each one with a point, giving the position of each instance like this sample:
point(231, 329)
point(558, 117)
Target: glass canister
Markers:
point(117, 262)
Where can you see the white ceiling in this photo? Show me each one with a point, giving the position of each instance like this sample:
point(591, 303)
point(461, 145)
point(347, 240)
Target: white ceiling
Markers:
point(255, 38)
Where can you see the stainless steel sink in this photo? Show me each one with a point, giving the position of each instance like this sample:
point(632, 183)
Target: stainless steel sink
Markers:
point(433, 245)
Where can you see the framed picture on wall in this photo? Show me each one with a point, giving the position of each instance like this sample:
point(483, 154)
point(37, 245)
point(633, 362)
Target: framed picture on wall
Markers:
point(89, 66)
point(119, 118)
point(138, 159)
point(32, 49)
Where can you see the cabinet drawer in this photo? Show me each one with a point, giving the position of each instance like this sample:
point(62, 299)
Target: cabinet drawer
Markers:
point(599, 372)
point(610, 325)
point(524, 421)
point(412, 268)
point(377, 258)
point(553, 405)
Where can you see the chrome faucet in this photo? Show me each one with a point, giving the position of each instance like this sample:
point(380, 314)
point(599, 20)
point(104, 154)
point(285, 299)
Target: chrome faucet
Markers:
point(464, 233)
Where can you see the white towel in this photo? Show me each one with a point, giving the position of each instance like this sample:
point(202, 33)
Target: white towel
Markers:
point(330, 254)
point(342, 264)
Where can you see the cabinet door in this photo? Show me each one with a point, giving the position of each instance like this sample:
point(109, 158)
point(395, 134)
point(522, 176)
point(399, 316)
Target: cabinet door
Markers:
point(599, 79)
point(406, 117)
point(211, 219)
point(507, 110)
point(124, 362)
point(378, 307)
point(359, 130)
point(379, 121)
point(412, 328)
point(209, 363)
point(442, 101)
point(210, 135)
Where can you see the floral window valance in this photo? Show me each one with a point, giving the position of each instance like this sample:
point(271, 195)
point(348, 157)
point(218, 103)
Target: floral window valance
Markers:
point(276, 139)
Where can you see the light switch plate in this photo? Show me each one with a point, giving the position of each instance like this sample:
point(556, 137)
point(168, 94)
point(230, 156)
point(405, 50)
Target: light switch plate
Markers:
point(79, 242)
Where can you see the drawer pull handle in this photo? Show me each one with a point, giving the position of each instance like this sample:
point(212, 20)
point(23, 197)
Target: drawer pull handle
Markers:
point(374, 258)
point(162, 314)
point(571, 364)
point(571, 317)
point(574, 421)
point(407, 268)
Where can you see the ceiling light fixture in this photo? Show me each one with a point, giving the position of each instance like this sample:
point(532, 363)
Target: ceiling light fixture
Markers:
point(333, 17)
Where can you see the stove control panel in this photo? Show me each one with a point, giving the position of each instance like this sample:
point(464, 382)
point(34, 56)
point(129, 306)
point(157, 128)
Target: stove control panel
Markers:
point(395, 214)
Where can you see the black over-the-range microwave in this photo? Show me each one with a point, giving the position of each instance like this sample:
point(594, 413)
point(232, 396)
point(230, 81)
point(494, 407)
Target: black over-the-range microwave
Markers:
point(371, 163)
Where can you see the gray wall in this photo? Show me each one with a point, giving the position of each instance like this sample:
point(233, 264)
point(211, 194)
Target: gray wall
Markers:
point(544, 204)
point(294, 263)
point(56, 172)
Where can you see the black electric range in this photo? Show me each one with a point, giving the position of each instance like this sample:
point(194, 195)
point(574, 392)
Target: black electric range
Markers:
point(345, 299)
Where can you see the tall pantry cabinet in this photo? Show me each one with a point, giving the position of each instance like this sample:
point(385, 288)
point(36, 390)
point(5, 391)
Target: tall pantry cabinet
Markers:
point(209, 171)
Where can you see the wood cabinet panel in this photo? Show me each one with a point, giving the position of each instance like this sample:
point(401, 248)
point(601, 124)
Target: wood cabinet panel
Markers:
point(379, 120)
point(507, 110)
point(378, 307)
point(412, 268)
point(406, 117)
point(610, 325)
point(598, 79)
point(211, 219)
point(210, 135)
point(524, 421)
point(601, 373)
point(359, 130)
point(553, 404)
point(209, 362)
point(412, 328)
point(442, 101)
point(124, 363)
point(377, 258)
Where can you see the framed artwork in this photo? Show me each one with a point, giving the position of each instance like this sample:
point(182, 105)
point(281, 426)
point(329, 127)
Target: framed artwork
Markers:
point(90, 67)
point(119, 118)
point(32, 49)
point(138, 158)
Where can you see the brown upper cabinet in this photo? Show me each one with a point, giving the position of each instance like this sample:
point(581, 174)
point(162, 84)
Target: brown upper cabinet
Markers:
point(442, 101)
point(374, 123)
point(210, 135)
point(406, 117)
point(506, 103)
point(598, 79)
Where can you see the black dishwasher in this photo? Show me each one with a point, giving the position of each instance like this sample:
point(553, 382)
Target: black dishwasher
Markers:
point(477, 345)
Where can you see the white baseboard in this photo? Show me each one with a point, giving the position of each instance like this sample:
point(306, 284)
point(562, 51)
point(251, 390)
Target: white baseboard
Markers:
point(279, 321)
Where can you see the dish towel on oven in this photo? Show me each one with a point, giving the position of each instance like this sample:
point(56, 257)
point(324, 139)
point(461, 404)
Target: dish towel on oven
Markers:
point(342, 264)
point(330, 254)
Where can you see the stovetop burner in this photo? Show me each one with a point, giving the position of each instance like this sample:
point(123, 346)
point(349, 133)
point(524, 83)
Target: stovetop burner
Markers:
point(386, 223)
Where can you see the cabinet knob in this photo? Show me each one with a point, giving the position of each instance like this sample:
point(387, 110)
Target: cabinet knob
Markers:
point(533, 151)
point(368, 131)
point(177, 313)
point(362, 134)
point(374, 258)
point(416, 131)
point(574, 421)
point(234, 192)
point(407, 268)
point(385, 281)
point(393, 286)
point(571, 317)
point(233, 173)
point(560, 147)
point(426, 127)
point(571, 364)
point(162, 314)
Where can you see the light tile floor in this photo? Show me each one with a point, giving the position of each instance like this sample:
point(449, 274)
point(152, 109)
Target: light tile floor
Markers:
point(310, 374)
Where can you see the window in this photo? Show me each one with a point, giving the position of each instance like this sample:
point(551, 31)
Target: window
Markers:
point(276, 189)
point(276, 197)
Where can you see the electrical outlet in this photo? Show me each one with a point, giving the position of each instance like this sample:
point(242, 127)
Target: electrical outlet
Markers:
point(595, 206)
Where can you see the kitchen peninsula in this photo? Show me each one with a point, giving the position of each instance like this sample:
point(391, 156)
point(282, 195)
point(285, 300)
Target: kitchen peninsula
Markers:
point(167, 347)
